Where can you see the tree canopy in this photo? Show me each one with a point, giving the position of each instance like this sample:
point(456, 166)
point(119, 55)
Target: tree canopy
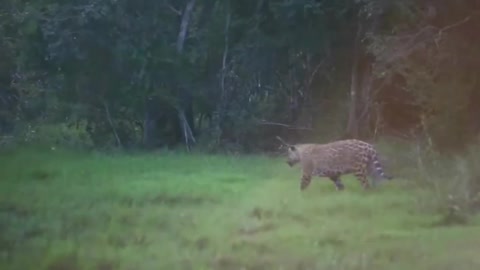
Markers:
point(233, 74)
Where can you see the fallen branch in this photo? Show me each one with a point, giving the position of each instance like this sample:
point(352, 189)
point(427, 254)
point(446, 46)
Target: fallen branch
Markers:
point(314, 72)
point(282, 141)
point(448, 27)
point(172, 8)
point(268, 123)
point(187, 131)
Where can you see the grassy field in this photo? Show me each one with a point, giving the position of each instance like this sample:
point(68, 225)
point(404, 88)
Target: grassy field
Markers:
point(60, 210)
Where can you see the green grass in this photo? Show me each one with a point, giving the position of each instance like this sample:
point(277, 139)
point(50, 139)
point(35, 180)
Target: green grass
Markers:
point(60, 210)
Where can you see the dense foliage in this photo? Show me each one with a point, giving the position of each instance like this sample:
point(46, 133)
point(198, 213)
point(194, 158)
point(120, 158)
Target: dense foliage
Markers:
point(233, 74)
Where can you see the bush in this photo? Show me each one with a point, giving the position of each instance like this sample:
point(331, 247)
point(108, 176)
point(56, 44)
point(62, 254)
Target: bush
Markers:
point(58, 134)
point(455, 181)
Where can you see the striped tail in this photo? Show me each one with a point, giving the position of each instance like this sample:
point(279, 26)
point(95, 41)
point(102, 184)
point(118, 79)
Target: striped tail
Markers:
point(376, 169)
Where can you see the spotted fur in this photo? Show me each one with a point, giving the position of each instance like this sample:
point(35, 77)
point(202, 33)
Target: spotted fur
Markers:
point(335, 159)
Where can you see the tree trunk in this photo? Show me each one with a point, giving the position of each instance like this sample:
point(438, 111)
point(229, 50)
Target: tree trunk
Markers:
point(361, 94)
point(222, 106)
point(186, 105)
point(182, 35)
point(352, 125)
point(149, 127)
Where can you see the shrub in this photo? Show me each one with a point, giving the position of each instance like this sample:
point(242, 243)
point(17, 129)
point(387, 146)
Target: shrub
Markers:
point(455, 180)
point(58, 134)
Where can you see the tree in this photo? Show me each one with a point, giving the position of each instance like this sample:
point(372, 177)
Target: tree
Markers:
point(233, 74)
